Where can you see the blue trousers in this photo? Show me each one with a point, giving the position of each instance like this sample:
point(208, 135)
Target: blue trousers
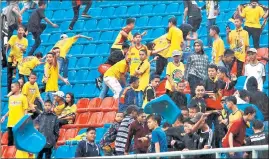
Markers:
point(63, 66)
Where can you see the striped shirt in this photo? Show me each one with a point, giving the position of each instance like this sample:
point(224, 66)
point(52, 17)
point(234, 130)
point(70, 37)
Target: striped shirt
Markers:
point(122, 134)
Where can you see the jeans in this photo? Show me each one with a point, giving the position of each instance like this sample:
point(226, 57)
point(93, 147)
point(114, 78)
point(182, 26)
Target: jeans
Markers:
point(255, 33)
point(76, 12)
point(47, 152)
point(103, 91)
point(210, 22)
point(63, 66)
point(194, 81)
point(139, 98)
point(160, 64)
point(36, 36)
point(49, 96)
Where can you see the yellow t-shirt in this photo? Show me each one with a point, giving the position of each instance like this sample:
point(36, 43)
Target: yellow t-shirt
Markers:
point(15, 53)
point(239, 40)
point(65, 45)
point(68, 110)
point(23, 154)
point(175, 72)
point(27, 65)
point(59, 109)
point(53, 76)
point(121, 39)
point(175, 36)
point(252, 16)
point(144, 78)
point(235, 116)
point(160, 43)
point(218, 50)
point(135, 58)
point(16, 105)
point(31, 92)
point(117, 70)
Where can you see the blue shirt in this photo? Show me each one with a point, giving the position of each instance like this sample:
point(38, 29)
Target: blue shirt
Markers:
point(158, 135)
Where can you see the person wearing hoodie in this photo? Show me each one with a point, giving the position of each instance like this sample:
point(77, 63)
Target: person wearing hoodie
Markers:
point(47, 123)
point(257, 97)
point(196, 67)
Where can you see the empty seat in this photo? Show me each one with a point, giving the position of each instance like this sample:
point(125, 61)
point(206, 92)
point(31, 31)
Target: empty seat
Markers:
point(108, 104)
point(95, 12)
point(58, 15)
point(157, 32)
point(9, 152)
point(109, 117)
point(49, 14)
point(94, 35)
point(61, 134)
point(4, 138)
point(96, 61)
point(102, 49)
point(81, 120)
point(120, 11)
point(89, 49)
point(93, 74)
point(72, 61)
point(107, 35)
point(53, 5)
point(90, 90)
point(133, 10)
point(96, 119)
point(160, 8)
point(83, 103)
point(172, 8)
point(155, 21)
point(103, 24)
point(165, 20)
point(66, 5)
point(81, 75)
point(83, 62)
point(69, 133)
point(142, 21)
point(94, 104)
point(146, 9)
point(67, 88)
point(54, 37)
point(79, 25)
point(99, 134)
point(3, 149)
point(78, 88)
point(90, 24)
point(106, 12)
point(76, 49)
point(116, 23)
point(69, 14)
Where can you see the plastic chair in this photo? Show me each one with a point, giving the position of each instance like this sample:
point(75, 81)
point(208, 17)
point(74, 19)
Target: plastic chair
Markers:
point(4, 139)
point(165, 20)
point(103, 24)
point(172, 8)
point(116, 23)
point(109, 117)
point(3, 149)
point(161, 88)
point(54, 37)
point(69, 133)
point(158, 32)
point(82, 75)
point(9, 152)
point(62, 152)
point(108, 104)
point(90, 90)
point(142, 21)
point(120, 11)
point(94, 105)
point(240, 83)
point(81, 120)
point(90, 24)
point(262, 52)
point(66, 5)
point(76, 49)
point(106, 36)
point(160, 8)
point(67, 88)
point(26, 137)
point(89, 49)
point(92, 75)
point(78, 88)
point(72, 61)
point(64, 25)
point(133, 10)
point(94, 35)
point(96, 119)
point(106, 12)
point(146, 9)
point(83, 62)
point(155, 21)
point(79, 25)
point(53, 5)
point(58, 15)
point(99, 134)
point(95, 12)
point(96, 61)
point(69, 14)
point(102, 49)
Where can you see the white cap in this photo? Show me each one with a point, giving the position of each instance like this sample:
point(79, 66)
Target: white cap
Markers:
point(252, 50)
point(59, 94)
point(176, 53)
point(63, 36)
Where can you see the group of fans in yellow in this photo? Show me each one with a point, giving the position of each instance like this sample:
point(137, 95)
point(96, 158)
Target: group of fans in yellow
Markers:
point(167, 50)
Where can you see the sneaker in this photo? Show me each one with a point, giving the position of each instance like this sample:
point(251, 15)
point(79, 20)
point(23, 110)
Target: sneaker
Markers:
point(98, 83)
point(70, 28)
point(86, 15)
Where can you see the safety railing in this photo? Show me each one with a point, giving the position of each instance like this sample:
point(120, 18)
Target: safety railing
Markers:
point(218, 152)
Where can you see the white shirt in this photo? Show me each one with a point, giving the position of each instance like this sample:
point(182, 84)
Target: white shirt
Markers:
point(210, 9)
point(258, 71)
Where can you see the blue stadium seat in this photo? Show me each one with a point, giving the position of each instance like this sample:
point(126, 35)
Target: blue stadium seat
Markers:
point(67, 88)
point(172, 8)
point(165, 20)
point(71, 75)
point(62, 151)
point(79, 25)
point(64, 25)
point(146, 9)
point(44, 37)
point(264, 39)
point(83, 62)
point(25, 16)
point(58, 15)
point(4, 79)
point(41, 49)
point(133, 10)
point(157, 32)
point(78, 88)
point(95, 12)
point(120, 11)
point(90, 90)
point(89, 49)
point(69, 14)
point(72, 61)
point(155, 21)
point(103, 24)
point(148, 35)
point(99, 134)
point(159, 8)
point(54, 37)
point(106, 36)
point(94, 35)
point(142, 21)
point(102, 49)
point(66, 5)
point(96, 61)
point(107, 12)
point(48, 13)
point(81, 75)
point(94, 73)
point(76, 49)
point(224, 4)
point(48, 48)
point(53, 5)
point(90, 24)
point(4, 92)
point(233, 5)
point(116, 23)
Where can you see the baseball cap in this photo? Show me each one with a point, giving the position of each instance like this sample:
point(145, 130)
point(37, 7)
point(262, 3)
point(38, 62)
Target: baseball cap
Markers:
point(251, 51)
point(59, 94)
point(176, 53)
point(63, 36)
point(197, 117)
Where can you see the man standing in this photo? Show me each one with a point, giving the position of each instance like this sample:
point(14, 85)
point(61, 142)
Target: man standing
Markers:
point(228, 61)
point(211, 81)
point(179, 97)
point(237, 132)
point(64, 46)
point(14, 17)
point(150, 90)
point(130, 95)
point(218, 44)
point(143, 73)
point(196, 67)
point(36, 27)
point(239, 43)
point(254, 68)
point(76, 6)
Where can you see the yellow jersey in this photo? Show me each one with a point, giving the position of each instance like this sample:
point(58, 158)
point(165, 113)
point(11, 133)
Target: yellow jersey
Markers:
point(161, 42)
point(135, 58)
point(175, 36)
point(31, 92)
point(235, 116)
point(117, 70)
point(16, 45)
point(69, 110)
point(121, 39)
point(59, 109)
point(239, 40)
point(143, 67)
point(17, 104)
point(28, 64)
point(53, 76)
point(175, 72)
point(65, 45)
point(217, 50)
point(23, 154)
point(252, 16)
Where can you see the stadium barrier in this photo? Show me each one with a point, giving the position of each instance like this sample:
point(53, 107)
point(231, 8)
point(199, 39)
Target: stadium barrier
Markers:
point(218, 151)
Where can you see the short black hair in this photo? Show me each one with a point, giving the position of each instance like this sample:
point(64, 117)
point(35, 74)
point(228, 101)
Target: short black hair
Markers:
point(41, 2)
point(231, 99)
point(133, 79)
point(17, 83)
point(215, 28)
point(145, 51)
point(200, 84)
point(173, 20)
point(228, 52)
point(130, 21)
point(21, 26)
point(125, 46)
point(243, 94)
point(48, 101)
point(33, 73)
point(257, 124)
point(213, 66)
point(167, 125)
point(136, 34)
point(188, 120)
point(180, 118)
point(238, 17)
point(131, 108)
point(39, 54)
point(184, 108)
point(150, 45)
point(249, 110)
point(154, 76)
point(55, 48)
point(156, 118)
point(50, 53)
point(90, 129)
point(140, 111)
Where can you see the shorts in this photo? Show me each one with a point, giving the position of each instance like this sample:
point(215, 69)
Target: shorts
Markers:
point(195, 22)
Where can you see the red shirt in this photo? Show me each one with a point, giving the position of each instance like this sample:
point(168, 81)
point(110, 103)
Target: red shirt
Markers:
point(238, 128)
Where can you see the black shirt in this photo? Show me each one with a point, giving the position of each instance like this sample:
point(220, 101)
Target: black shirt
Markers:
point(198, 102)
point(205, 138)
point(115, 57)
point(193, 9)
point(180, 99)
point(258, 139)
point(34, 23)
point(211, 85)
